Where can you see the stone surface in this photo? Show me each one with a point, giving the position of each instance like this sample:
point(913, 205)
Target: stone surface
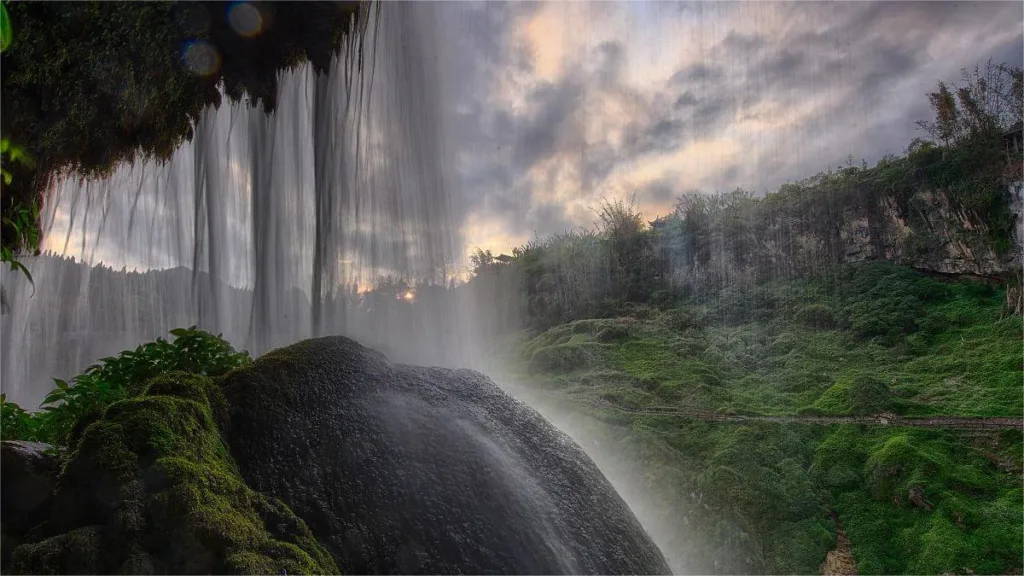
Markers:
point(28, 477)
point(400, 469)
point(955, 244)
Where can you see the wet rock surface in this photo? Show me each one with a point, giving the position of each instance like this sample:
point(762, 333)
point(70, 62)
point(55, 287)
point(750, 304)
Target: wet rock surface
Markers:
point(28, 477)
point(400, 469)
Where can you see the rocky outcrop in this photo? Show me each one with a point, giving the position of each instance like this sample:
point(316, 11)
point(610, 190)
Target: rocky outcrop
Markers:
point(929, 233)
point(401, 469)
point(320, 457)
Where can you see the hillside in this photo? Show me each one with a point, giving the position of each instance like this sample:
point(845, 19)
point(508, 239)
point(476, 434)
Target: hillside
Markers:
point(864, 339)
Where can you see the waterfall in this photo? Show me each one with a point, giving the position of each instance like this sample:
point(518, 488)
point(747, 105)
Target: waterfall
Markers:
point(262, 225)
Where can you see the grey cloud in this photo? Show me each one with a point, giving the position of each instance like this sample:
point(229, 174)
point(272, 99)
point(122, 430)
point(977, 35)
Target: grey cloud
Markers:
point(662, 136)
point(742, 44)
point(685, 99)
point(539, 135)
point(598, 162)
point(700, 72)
point(660, 191)
point(891, 62)
point(611, 56)
point(549, 218)
point(784, 64)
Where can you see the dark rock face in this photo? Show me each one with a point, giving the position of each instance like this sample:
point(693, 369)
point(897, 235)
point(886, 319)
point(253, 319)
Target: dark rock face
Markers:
point(400, 469)
point(28, 477)
point(27, 482)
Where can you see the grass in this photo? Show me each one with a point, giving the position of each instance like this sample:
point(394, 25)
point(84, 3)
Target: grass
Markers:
point(871, 338)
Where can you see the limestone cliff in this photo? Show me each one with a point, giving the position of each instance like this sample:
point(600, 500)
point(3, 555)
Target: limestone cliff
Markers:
point(944, 239)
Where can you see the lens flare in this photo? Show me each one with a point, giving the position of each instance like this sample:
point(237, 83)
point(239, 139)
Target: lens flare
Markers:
point(245, 19)
point(201, 57)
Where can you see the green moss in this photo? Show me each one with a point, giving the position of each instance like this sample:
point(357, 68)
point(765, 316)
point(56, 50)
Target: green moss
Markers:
point(923, 502)
point(564, 357)
point(860, 395)
point(155, 478)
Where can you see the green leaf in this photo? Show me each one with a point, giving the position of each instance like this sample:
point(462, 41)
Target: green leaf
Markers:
point(6, 32)
point(60, 383)
point(16, 265)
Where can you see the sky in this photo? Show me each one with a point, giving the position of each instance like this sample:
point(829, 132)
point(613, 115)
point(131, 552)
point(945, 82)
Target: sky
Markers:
point(551, 107)
point(562, 104)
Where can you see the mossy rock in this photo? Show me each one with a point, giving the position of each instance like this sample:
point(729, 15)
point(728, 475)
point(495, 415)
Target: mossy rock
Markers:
point(151, 488)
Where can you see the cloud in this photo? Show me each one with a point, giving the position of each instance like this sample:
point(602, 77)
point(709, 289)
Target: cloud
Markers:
point(579, 101)
point(742, 44)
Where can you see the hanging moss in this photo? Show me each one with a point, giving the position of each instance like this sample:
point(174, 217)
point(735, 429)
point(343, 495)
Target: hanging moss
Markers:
point(151, 488)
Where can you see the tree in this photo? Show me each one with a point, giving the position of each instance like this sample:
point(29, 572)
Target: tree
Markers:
point(480, 260)
point(946, 124)
point(987, 101)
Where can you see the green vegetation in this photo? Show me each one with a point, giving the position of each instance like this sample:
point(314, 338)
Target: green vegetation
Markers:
point(147, 483)
point(71, 406)
point(182, 507)
point(926, 502)
point(861, 339)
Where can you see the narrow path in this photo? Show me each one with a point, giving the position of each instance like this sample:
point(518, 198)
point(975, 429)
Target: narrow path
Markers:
point(956, 422)
point(840, 560)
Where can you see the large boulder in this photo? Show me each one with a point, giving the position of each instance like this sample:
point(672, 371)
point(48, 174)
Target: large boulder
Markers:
point(401, 469)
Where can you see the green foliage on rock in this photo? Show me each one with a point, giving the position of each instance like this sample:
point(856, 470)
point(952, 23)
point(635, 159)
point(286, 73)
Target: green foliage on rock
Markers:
point(71, 406)
point(150, 488)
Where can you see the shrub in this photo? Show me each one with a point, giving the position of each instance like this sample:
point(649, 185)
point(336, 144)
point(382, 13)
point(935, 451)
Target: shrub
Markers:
point(16, 423)
point(816, 316)
point(613, 333)
point(860, 395)
point(116, 378)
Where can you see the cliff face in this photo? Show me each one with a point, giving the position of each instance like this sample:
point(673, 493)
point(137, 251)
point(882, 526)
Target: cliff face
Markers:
point(941, 239)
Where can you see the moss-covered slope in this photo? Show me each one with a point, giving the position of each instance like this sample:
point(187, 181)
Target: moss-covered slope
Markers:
point(868, 338)
point(151, 488)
